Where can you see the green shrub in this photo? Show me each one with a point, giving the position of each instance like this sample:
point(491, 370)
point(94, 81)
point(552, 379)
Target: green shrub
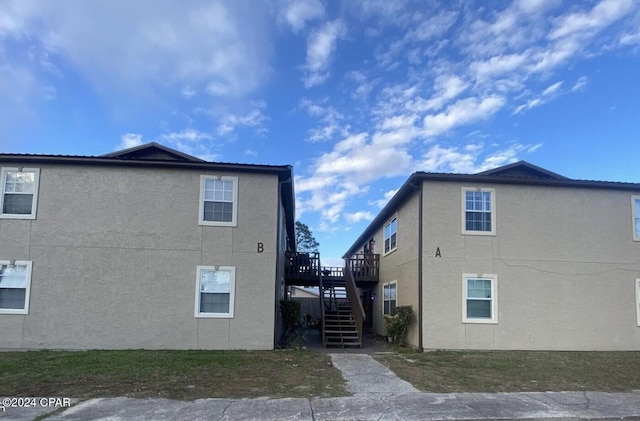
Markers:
point(398, 323)
point(290, 311)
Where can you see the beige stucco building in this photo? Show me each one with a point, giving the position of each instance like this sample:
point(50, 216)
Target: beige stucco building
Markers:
point(513, 258)
point(142, 248)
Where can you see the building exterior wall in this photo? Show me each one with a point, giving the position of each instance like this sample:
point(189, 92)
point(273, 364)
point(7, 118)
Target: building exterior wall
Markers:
point(399, 266)
point(115, 252)
point(565, 263)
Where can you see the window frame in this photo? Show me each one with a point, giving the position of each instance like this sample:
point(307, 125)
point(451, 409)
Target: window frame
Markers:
point(234, 214)
point(395, 287)
point(232, 286)
point(638, 301)
point(384, 235)
point(27, 294)
point(463, 195)
point(635, 217)
point(494, 298)
point(34, 199)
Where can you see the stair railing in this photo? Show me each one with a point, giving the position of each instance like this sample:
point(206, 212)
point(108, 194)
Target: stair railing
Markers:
point(356, 303)
point(321, 294)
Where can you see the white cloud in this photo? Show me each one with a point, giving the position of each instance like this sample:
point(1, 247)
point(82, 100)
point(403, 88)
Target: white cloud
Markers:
point(580, 84)
point(298, 12)
point(385, 198)
point(462, 160)
point(229, 122)
point(462, 112)
point(546, 95)
point(355, 217)
point(130, 140)
point(588, 23)
point(330, 120)
point(188, 135)
point(144, 48)
point(321, 46)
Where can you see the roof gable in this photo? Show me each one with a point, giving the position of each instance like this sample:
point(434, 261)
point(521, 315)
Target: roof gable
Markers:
point(153, 151)
point(523, 169)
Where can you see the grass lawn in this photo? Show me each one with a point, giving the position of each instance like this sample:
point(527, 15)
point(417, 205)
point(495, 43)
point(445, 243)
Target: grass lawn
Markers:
point(170, 374)
point(516, 371)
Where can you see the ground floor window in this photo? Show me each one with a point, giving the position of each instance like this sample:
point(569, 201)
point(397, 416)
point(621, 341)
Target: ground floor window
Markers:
point(479, 299)
point(389, 298)
point(15, 286)
point(215, 289)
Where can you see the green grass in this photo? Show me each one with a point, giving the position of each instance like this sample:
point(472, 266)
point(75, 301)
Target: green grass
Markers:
point(170, 374)
point(517, 371)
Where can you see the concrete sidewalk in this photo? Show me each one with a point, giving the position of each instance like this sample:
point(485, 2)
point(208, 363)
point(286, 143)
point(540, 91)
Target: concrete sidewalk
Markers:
point(378, 395)
point(409, 406)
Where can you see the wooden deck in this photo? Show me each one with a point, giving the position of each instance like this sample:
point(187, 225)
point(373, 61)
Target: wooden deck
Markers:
point(304, 269)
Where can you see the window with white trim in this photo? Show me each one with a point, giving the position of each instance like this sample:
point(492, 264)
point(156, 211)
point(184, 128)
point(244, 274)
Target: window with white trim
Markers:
point(19, 193)
point(479, 299)
point(478, 211)
point(389, 298)
point(15, 286)
point(638, 301)
point(215, 290)
point(635, 202)
point(391, 235)
point(218, 200)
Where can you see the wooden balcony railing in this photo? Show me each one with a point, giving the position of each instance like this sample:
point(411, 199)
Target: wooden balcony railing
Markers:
point(364, 267)
point(302, 267)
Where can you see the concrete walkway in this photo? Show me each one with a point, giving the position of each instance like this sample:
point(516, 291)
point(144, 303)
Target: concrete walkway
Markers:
point(378, 395)
point(364, 375)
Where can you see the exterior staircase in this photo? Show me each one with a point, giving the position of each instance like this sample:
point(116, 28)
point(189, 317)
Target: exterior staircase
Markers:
point(342, 313)
point(339, 323)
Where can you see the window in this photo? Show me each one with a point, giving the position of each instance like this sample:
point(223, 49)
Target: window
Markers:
point(635, 202)
point(391, 235)
point(389, 298)
point(215, 289)
point(638, 301)
point(19, 193)
point(15, 286)
point(479, 299)
point(478, 216)
point(218, 200)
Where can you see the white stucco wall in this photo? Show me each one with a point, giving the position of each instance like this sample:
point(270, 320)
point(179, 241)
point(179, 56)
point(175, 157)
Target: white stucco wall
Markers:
point(115, 252)
point(565, 262)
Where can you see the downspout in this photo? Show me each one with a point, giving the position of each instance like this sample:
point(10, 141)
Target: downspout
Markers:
point(420, 196)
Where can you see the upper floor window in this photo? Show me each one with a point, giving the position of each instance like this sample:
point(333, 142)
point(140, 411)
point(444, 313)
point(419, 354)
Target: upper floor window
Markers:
point(479, 299)
point(635, 202)
point(218, 200)
point(215, 290)
point(391, 235)
point(478, 216)
point(15, 286)
point(19, 193)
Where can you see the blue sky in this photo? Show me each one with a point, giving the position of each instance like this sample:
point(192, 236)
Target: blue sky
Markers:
point(355, 94)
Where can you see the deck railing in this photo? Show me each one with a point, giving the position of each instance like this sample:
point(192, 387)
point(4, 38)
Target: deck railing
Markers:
point(302, 266)
point(364, 267)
